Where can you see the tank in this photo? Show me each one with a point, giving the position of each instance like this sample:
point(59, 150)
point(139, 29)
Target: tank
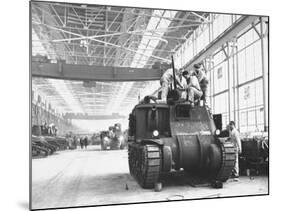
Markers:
point(41, 142)
point(113, 139)
point(163, 138)
point(45, 141)
point(176, 136)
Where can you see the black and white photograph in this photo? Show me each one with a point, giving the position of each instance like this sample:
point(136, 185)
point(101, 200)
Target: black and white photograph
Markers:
point(133, 105)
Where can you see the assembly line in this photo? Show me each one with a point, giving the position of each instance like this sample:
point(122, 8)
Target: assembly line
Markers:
point(135, 105)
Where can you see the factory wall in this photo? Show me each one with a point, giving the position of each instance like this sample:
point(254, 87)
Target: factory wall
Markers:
point(238, 72)
point(42, 112)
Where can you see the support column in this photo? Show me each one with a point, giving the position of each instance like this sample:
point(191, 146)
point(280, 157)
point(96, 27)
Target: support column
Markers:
point(235, 79)
point(213, 82)
point(227, 53)
point(237, 89)
point(211, 65)
point(264, 58)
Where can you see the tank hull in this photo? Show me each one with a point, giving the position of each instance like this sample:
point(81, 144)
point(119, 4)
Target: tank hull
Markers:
point(184, 140)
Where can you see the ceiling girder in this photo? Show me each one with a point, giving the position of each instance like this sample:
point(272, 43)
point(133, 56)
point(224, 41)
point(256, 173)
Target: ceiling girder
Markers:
point(61, 70)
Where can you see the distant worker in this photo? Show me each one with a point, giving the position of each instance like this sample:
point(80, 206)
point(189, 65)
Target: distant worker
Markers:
point(86, 142)
point(44, 130)
point(166, 81)
point(202, 79)
point(74, 143)
point(110, 132)
point(235, 139)
point(193, 88)
point(81, 143)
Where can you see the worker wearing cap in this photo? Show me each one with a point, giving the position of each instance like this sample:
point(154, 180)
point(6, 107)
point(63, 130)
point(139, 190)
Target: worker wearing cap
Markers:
point(235, 139)
point(202, 79)
point(166, 80)
point(193, 88)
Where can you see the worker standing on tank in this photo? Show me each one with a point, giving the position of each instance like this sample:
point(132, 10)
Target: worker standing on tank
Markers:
point(193, 88)
point(202, 79)
point(235, 139)
point(167, 79)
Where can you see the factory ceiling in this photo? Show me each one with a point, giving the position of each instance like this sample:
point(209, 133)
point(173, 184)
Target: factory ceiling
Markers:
point(105, 36)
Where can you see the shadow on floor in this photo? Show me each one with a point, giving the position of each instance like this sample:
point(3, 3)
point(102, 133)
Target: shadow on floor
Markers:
point(181, 178)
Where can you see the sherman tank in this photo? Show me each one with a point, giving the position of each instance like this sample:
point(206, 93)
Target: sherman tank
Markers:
point(174, 136)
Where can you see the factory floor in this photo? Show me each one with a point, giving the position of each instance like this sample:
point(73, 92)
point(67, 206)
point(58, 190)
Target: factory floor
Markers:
point(90, 176)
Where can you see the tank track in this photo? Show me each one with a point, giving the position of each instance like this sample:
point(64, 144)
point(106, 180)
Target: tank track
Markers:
point(145, 163)
point(228, 161)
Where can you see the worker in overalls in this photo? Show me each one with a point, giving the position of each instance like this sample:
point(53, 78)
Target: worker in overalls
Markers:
point(166, 81)
point(235, 139)
point(194, 91)
point(202, 79)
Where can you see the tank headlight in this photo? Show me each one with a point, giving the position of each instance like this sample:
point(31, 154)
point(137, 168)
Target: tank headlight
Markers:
point(217, 132)
point(121, 138)
point(155, 133)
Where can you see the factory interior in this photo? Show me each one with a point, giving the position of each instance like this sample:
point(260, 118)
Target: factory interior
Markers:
point(96, 71)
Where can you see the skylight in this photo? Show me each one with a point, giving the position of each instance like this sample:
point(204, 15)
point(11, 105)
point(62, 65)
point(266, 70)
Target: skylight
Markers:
point(139, 60)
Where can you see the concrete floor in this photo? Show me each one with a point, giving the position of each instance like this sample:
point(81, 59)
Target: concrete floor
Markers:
point(95, 177)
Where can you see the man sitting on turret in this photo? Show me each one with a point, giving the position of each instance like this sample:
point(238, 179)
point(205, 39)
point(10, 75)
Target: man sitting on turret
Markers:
point(166, 80)
point(193, 88)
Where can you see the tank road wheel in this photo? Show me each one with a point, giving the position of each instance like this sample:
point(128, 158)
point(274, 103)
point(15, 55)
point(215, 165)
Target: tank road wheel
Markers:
point(228, 152)
point(150, 166)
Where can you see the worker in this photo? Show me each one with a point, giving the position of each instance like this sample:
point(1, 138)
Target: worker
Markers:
point(235, 139)
point(166, 80)
point(110, 132)
point(74, 142)
point(86, 141)
point(81, 142)
point(183, 83)
point(202, 79)
point(193, 88)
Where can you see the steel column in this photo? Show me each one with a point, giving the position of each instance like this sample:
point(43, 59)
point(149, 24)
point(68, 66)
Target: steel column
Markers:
point(229, 82)
point(264, 72)
point(234, 76)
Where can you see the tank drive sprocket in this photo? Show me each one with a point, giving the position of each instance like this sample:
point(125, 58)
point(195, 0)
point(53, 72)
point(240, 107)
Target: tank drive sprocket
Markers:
point(228, 151)
point(145, 164)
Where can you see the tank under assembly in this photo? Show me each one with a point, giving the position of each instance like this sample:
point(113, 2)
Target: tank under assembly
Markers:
point(165, 137)
point(113, 138)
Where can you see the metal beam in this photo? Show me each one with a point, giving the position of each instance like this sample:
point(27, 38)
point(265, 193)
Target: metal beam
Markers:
point(227, 35)
point(92, 117)
point(61, 70)
point(98, 8)
point(80, 37)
